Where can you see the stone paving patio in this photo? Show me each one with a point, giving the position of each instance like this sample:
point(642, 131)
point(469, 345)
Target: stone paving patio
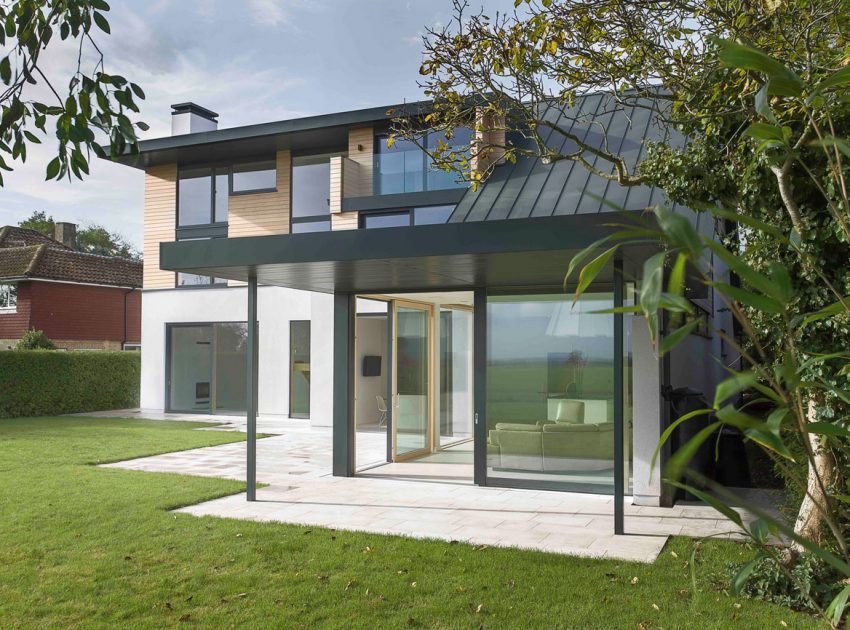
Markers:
point(404, 499)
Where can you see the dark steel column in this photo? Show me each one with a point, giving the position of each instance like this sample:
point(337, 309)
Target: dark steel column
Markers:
point(619, 451)
point(479, 386)
point(252, 389)
point(390, 367)
point(343, 396)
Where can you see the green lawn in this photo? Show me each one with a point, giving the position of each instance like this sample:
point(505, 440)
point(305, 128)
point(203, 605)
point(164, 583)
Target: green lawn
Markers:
point(84, 547)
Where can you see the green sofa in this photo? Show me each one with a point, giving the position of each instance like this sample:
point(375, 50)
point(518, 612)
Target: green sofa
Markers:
point(566, 444)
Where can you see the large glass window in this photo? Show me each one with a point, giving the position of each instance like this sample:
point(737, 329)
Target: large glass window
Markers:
point(299, 369)
point(203, 192)
point(425, 215)
point(194, 280)
point(311, 192)
point(550, 390)
point(195, 197)
point(259, 176)
point(207, 364)
point(8, 297)
point(405, 167)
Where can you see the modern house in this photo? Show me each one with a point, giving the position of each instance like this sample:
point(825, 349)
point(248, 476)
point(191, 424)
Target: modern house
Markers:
point(80, 301)
point(305, 268)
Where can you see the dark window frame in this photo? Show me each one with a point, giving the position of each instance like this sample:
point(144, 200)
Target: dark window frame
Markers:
point(410, 211)
point(313, 218)
point(212, 167)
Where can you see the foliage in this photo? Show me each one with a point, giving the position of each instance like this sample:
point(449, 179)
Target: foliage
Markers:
point(87, 112)
point(34, 340)
point(92, 239)
point(34, 382)
point(85, 546)
point(810, 584)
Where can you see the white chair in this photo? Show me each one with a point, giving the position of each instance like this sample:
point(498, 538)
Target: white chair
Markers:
point(382, 408)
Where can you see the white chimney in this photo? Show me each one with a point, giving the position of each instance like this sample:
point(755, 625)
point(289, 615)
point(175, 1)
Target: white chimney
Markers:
point(191, 118)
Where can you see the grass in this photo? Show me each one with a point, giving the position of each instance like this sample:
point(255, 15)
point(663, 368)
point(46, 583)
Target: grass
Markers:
point(82, 546)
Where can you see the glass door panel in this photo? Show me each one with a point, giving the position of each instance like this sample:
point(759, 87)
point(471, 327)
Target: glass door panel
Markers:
point(190, 386)
point(299, 369)
point(412, 380)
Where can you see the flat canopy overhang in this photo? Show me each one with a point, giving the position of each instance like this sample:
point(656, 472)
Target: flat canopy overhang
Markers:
point(509, 253)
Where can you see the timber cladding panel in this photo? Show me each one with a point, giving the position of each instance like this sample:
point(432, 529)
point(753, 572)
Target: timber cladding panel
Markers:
point(355, 181)
point(259, 214)
point(160, 217)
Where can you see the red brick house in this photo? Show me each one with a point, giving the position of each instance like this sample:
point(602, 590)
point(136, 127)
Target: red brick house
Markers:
point(80, 300)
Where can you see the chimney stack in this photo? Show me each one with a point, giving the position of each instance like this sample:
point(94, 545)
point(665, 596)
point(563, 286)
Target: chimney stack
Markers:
point(191, 118)
point(65, 233)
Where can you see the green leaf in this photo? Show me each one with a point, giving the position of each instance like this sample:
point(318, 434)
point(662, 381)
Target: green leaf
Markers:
point(53, 168)
point(743, 574)
point(578, 259)
point(736, 383)
point(669, 431)
point(676, 281)
point(839, 77)
point(755, 300)
point(671, 340)
point(5, 70)
point(763, 131)
point(835, 610)
point(678, 229)
point(827, 428)
point(679, 460)
point(101, 22)
point(650, 291)
point(714, 502)
point(832, 310)
point(831, 141)
point(592, 269)
point(761, 226)
point(763, 103)
point(757, 280)
point(785, 81)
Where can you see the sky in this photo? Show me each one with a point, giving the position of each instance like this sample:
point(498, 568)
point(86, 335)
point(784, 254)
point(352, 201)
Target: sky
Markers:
point(252, 61)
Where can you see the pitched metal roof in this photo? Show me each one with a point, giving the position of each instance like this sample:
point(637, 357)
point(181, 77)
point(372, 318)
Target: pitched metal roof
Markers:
point(531, 188)
point(26, 254)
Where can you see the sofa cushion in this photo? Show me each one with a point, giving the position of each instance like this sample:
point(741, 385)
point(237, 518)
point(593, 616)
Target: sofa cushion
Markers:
point(569, 412)
point(517, 426)
point(563, 427)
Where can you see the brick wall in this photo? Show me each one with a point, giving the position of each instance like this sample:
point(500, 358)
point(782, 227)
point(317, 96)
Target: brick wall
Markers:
point(82, 312)
point(13, 325)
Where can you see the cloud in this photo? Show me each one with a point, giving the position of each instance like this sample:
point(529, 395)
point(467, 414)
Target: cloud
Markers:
point(269, 12)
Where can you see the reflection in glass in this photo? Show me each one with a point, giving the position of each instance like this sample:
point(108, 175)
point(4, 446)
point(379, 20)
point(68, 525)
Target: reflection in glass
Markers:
point(412, 380)
point(299, 369)
point(311, 186)
point(194, 197)
point(405, 168)
point(385, 220)
point(256, 176)
point(207, 364)
point(222, 193)
point(550, 390)
point(432, 215)
point(455, 375)
point(306, 227)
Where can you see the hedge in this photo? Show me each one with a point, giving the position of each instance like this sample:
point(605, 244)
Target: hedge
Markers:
point(47, 382)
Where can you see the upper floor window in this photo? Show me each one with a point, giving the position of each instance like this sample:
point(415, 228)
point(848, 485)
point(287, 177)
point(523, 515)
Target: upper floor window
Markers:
point(195, 280)
point(203, 192)
point(425, 215)
point(8, 297)
point(202, 196)
point(256, 177)
point(405, 167)
point(311, 193)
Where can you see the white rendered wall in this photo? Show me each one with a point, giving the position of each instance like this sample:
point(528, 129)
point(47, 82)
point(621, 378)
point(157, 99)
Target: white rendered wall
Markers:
point(276, 307)
point(646, 428)
point(321, 359)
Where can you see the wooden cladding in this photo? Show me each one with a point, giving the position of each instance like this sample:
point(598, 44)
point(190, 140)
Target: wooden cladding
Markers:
point(352, 176)
point(259, 214)
point(160, 217)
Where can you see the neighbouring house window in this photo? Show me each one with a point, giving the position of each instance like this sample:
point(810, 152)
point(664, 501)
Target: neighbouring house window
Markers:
point(311, 192)
point(203, 192)
point(132, 346)
point(405, 167)
point(8, 297)
point(425, 215)
point(206, 367)
point(258, 176)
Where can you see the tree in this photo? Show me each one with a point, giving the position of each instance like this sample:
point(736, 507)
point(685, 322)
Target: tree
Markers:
point(34, 340)
point(757, 142)
point(88, 112)
point(92, 239)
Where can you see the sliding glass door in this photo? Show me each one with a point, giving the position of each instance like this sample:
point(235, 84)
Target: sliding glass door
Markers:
point(206, 367)
point(412, 397)
point(299, 369)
